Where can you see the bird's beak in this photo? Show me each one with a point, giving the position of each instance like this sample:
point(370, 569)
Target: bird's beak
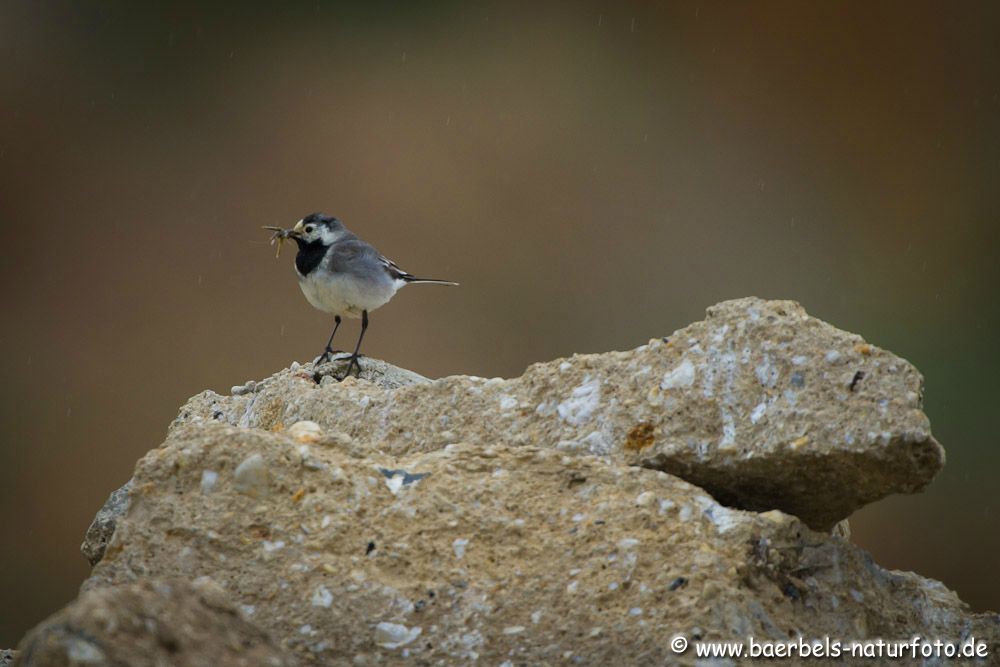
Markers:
point(296, 231)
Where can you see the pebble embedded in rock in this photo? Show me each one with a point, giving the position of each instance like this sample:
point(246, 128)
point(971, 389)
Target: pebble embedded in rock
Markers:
point(208, 480)
point(322, 597)
point(394, 635)
point(458, 546)
point(306, 431)
point(251, 477)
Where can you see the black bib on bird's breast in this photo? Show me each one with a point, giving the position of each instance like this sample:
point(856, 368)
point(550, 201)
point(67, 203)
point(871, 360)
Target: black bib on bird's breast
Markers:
point(309, 257)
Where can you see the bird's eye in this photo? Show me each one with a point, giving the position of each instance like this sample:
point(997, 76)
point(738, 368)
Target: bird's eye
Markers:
point(309, 229)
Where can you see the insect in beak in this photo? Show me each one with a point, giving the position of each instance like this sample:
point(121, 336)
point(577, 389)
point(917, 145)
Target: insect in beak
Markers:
point(280, 235)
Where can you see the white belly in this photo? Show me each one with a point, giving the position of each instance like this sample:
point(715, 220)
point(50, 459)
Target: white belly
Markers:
point(342, 295)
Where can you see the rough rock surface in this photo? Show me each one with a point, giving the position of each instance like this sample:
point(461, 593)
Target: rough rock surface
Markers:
point(154, 623)
point(6, 657)
point(760, 404)
point(541, 520)
point(494, 554)
point(103, 526)
point(376, 371)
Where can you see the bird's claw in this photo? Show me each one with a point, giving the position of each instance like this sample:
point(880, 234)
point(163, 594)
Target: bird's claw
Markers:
point(353, 363)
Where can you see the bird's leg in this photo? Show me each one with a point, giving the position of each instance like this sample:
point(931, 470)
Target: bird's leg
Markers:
point(354, 357)
point(329, 350)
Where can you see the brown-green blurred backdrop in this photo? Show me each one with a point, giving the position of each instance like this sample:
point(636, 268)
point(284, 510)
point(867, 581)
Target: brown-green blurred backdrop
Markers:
point(595, 174)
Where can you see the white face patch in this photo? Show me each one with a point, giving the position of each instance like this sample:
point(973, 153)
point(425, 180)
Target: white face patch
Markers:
point(314, 231)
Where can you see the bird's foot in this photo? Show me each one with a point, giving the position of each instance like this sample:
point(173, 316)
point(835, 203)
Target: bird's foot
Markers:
point(327, 355)
point(353, 363)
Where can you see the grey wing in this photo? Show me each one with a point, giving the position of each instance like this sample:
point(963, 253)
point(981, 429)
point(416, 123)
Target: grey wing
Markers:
point(357, 258)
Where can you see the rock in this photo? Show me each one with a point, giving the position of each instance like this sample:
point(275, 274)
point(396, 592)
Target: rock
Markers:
point(153, 622)
point(7, 657)
point(760, 404)
point(103, 526)
point(539, 520)
point(494, 553)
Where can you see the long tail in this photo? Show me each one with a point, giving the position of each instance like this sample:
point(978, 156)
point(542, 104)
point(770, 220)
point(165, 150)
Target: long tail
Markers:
point(432, 281)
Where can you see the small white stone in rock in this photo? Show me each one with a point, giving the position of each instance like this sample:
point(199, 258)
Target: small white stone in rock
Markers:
point(627, 543)
point(306, 431)
point(208, 480)
point(572, 586)
point(513, 629)
point(577, 518)
point(565, 366)
point(583, 401)
point(306, 629)
point(394, 635)
point(322, 597)
point(832, 356)
point(596, 444)
point(273, 546)
point(645, 498)
point(665, 505)
point(325, 522)
point(681, 376)
point(536, 617)
point(635, 611)
point(81, 652)
point(395, 483)
point(507, 402)
point(613, 586)
point(252, 477)
point(459, 546)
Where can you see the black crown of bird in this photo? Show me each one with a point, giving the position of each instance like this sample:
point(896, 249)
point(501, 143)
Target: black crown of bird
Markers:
point(341, 274)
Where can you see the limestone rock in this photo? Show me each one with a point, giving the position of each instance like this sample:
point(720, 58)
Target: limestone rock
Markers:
point(491, 554)
point(154, 622)
point(103, 526)
point(760, 404)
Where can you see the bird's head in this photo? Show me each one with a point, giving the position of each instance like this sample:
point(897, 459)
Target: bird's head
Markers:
point(315, 227)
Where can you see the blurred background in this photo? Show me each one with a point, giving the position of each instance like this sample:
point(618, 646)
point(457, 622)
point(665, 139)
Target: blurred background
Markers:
point(595, 174)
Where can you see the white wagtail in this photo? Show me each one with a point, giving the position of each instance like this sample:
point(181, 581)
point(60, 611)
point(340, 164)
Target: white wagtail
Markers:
point(341, 274)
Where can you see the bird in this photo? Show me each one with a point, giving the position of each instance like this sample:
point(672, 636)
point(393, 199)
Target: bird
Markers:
point(341, 274)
